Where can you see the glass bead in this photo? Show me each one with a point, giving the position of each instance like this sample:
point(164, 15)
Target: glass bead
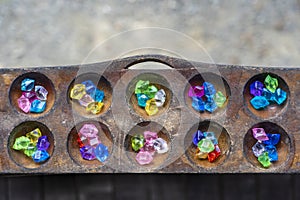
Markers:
point(98, 95)
point(148, 135)
point(210, 106)
point(89, 130)
point(267, 94)
point(94, 141)
point(43, 143)
point(212, 156)
point(30, 150)
point(160, 145)
point(272, 152)
point(211, 136)
point(201, 155)
point(279, 96)
point(87, 153)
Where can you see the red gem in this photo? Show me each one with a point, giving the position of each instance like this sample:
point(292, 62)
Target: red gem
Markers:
point(79, 142)
point(212, 156)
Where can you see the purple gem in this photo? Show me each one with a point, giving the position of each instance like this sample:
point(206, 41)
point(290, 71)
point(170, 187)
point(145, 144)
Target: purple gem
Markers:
point(256, 88)
point(258, 149)
point(43, 143)
point(149, 146)
point(89, 130)
point(198, 135)
point(196, 91)
point(259, 134)
point(41, 92)
point(87, 153)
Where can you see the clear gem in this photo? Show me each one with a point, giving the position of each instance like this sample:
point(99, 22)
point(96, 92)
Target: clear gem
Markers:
point(87, 153)
point(78, 91)
point(40, 156)
point(264, 160)
point(27, 84)
point(94, 107)
point(98, 95)
point(211, 136)
point(151, 107)
point(259, 102)
point(89, 130)
point(21, 143)
point(198, 104)
point(141, 86)
point(43, 143)
point(259, 134)
point(90, 87)
point(160, 145)
point(256, 88)
point(34, 135)
point(212, 156)
point(258, 149)
point(142, 99)
point(38, 106)
point(209, 89)
point(272, 152)
point(24, 104)
point(279, 96)
point(41, 92)
point(85, 100)
point(101, 152)
point(220, 99)
point(160, 97)
point(197, 137)
point(144, 158)
point(271, 83)
point(137, 142)
point(151, 91)
point(273, 139)
point(196, 91)
point(206, 145)
point(94, 141)
point(148, 135)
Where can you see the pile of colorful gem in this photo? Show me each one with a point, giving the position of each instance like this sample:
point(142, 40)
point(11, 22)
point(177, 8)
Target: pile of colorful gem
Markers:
point(207, 146)
point(90, 145)
point(264, 149)
point(147, 146)
point(266, 93)
point(149, 97)
point(206, 98)
point(33, 98)
point(88, 96)
point(33, 145)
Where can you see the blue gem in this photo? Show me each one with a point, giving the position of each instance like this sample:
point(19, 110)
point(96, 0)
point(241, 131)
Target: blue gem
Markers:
point(98, 95)
point(90, 87)
point(267, 94)
point(209, 89)
point(142, 99)
point(38, 106)
point(273, 139)
point(211, 136)
point(27, 84)
point(259, 102)
point(198, 104)
point(210, 106)
point(197, 137)
point(272, 152)
point(101, 152)
point(279, 96)
point(40, 156)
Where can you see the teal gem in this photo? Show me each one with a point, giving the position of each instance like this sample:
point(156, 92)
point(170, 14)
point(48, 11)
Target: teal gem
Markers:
point(141, 86)
point(267, 94)
point(38, 106)
point(211, 136)
point(27, 84)
point(271, 83)
point(198, 104)
point(279, 96)
point(142, 99)
point(98, 95)
point(259, 102)
point(151, 91)
point(210, 106)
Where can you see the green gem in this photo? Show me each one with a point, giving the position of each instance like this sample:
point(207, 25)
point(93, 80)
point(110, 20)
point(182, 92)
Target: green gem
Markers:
point(141, 86)
point(264, 159)
point(271, 83)
point(30, 150)
point(206, 146)
point(151, 91)
point(219, 99)
point(137, 142)
point(21, 143)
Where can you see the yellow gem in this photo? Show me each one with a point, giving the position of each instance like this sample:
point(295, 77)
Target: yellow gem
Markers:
point(151, 107)
point(201, 155)
point(34, 135)
point(78, 91)
point(94, 107)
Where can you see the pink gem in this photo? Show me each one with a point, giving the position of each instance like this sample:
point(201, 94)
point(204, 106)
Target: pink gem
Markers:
point(94, 141)
point(149, 147)
point(144, 158)
point(86, 100)
point(24, 104)
point(150, 135)
point(89, 130)
point(196, 91)
point(259, 134)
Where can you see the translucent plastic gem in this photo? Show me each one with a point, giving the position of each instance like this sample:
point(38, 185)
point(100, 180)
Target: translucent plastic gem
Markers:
point(40, 156)
point(87, 153)
point(151, 91)
point(258, 149)
point(256, 88)
point(209, 89)
point(43, 143)
point(273, 139)
point(220, 99)
point(160, 97)
point(148, 135)
point(151, 107)
point(79, 141)
point(141, 86)
point(212, 156)
point(206, 145)
point(101, 152)
point(259, 134)
point(34, 135)
point(94, 107)
point(38, 106)
point(267, 94)
point(30, 95)
point(144, 158)
point(264, 160)
point(271, 83)
point(137, 142)
point(211, 136)
point(94, 141)
point(160, 145)
point(98, 95)
point(78, 91)
point(279, 96)
point(198, 104)
point(259, 102)
point(196, 91)
point(197, 137)
point(89, 130)
point(272, 152)
point(142, 99)
point(201, 155)
point(90, 87)
point(85, 100)
point(27, 84)
point(149, 147)
point(24, 104)
point(41, 92)
point(30, 150)
point(21, 143)
point(210, 106)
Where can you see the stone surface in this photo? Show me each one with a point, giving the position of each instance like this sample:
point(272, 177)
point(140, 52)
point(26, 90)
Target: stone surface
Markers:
point(258, 149)
point(141, 86)
point(197, 137)
point(220, 99)
point(27, 84)
point(160, 145)
point(38, 106)
point(78, 91)
point(41, 92)
point(21, 143)
point(137, 142)
point(259, 102)
point(160, 97)
point(142, 99)
point(198, 104)
point(40, 156)
point(271, 83)
point(273, 139)
point(206, 145)
point(256, 88)
point(94, 107)
point(85, 100)
point(196, 91)
point(259, 134)
point(89, 130)
point(101, 152)
point(34, 135)
point(87, 153)
point(43, 143)
point(264, 160)
point(144, 158)
point(151, 107)
point(24, 104)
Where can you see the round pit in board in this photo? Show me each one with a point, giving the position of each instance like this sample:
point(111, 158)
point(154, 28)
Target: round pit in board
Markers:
point(207, 144)
point(90, 94)
point(30, 144)
point(90, 144)
point(207, 94)
point(32, 94)
point(266, 95)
